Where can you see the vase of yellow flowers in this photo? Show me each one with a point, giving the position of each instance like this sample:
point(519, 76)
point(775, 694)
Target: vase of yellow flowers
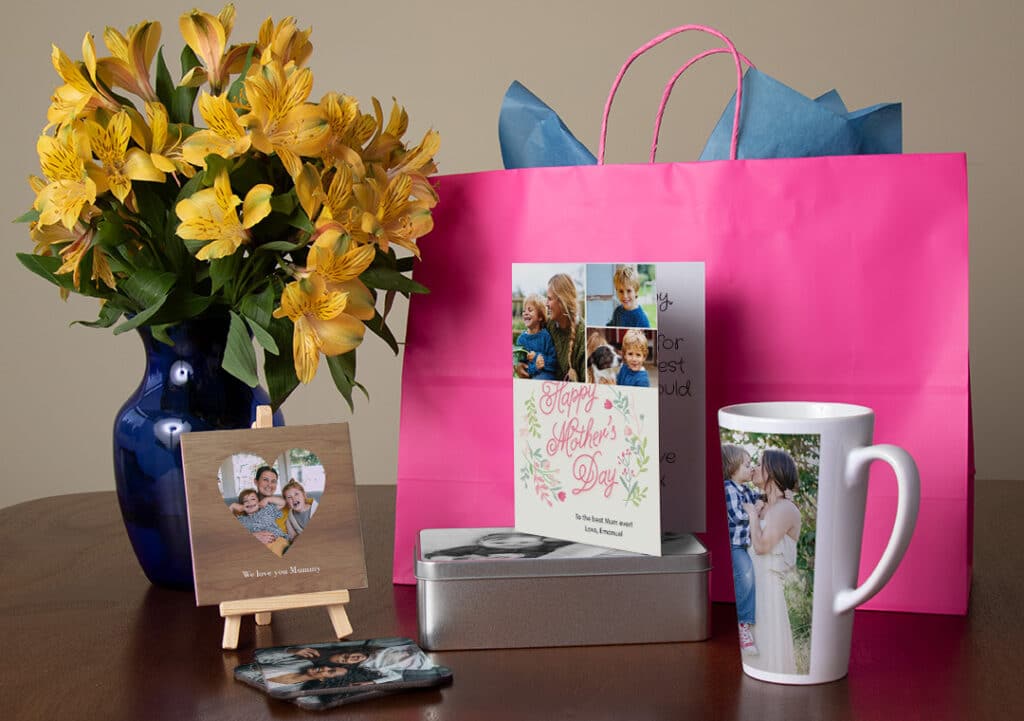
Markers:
point(214, 212)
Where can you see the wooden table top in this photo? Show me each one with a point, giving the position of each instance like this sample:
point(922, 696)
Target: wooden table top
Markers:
point(85, 636)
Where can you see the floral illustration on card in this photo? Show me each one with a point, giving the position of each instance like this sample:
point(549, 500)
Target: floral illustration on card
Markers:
point(536, 468)
point(634, 460)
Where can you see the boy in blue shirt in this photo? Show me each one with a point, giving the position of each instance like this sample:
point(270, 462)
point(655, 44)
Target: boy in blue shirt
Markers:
point(737, 470)
point(634, 353)
point(627, 286)
point(541, 360)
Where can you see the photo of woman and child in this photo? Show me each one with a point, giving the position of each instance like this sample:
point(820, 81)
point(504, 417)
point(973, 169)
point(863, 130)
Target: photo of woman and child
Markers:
point(274, 518)
point(548, 325)
point(320, 668)
point(771, 518)
point(552, 339)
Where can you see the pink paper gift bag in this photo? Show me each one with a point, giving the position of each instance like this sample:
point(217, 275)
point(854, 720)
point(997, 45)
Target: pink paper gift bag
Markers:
point(831, 279)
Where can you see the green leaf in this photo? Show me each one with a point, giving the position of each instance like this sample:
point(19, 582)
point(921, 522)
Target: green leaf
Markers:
point(29, 217)
point(194, 246)
point(343, 372)
point(178, 101)
point(263, 337)
point(300, 220)
point(280, 369)
point(214, 165)
point(45, 266)
point(239, 355)
point(404, 265)
point(237, 87)
point(159, 332)
point(164, 84)
point(389, 300)
point(190, 188)
point(222, 270)
point(138, 319)
point(378, 326)
point(390, 279)
point(181, 304)
point(110, 232)
point(108, 316)
point(284, 203)
point(280, 246)
point(258, 307)
point(147, 287)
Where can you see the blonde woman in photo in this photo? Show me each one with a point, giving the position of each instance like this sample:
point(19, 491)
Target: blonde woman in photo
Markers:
point(566, 328)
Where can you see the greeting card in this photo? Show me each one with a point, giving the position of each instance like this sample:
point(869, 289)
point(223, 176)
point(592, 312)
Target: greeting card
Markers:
point(608, 394)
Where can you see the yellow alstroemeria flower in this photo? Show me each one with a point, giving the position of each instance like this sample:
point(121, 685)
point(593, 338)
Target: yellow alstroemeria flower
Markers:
point(208, 35)
point(121, 164)
point(348, 131)
point(280, 120)
point(225, 137)
point(340, 261)
point(132, 56)
point(80, 92)
point(69, 188)
point(211, 215)
point(73, 254)
point(390, 214)
point(321, 323)
point(335, 201)
point(284, 43)
point(165, 144)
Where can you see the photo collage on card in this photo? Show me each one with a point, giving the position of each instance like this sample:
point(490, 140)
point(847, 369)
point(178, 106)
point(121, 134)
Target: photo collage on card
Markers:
point(585, 395)
point(771, 494)
point(585, 323)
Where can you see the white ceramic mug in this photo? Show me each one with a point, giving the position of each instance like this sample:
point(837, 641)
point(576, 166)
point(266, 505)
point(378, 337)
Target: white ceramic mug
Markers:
point(805, 541)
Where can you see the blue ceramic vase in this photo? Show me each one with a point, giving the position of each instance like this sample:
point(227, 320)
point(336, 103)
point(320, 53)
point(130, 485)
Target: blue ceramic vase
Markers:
point(184, 390)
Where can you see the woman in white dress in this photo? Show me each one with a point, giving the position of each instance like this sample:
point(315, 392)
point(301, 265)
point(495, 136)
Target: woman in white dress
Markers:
point(773, 540)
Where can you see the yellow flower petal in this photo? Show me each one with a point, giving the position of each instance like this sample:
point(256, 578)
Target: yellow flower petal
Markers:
point(305, 351)
point(360, 300)
point(257, 204)
point(338, 335)
point(138, 165)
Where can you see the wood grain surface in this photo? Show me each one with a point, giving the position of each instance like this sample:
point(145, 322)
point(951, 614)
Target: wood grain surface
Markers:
point(85, 636)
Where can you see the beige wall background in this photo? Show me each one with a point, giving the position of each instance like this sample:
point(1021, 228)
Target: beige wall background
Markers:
point(952, 64)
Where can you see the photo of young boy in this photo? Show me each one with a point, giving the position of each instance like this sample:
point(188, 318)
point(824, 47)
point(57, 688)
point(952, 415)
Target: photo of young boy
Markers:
point(622, 295)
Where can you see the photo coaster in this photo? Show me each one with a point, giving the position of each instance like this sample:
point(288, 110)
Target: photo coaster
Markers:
point(272, 512)
point(251, 675)
point(343, 668)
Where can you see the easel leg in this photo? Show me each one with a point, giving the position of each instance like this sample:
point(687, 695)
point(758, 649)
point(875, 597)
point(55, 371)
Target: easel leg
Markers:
point(263, 619)
point(232, 624)
point(339, 619)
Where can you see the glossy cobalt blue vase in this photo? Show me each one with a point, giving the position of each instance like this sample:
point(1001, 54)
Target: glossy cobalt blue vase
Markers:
point(184, 390)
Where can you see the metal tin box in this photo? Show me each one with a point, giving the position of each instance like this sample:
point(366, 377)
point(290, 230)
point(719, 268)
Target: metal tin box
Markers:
point(496, 588)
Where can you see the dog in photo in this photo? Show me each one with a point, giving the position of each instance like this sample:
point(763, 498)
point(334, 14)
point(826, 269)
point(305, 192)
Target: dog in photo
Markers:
point(602, 360)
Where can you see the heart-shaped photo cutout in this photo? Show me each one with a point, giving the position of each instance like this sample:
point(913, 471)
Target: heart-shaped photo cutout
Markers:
point(274, 503)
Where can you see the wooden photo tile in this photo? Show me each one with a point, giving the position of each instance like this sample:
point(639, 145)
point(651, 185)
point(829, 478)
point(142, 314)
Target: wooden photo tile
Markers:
point(272, 511)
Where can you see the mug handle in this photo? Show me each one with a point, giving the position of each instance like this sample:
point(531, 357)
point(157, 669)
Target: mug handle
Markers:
point(909, 485)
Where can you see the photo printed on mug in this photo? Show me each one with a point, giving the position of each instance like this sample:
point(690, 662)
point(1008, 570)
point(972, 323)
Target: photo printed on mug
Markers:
point(771, 498)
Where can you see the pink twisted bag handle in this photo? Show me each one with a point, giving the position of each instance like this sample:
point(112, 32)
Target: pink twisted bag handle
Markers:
point(730, 48)
point(672, 83)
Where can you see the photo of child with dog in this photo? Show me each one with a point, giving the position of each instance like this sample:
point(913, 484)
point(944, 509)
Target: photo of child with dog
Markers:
point(622, 356)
